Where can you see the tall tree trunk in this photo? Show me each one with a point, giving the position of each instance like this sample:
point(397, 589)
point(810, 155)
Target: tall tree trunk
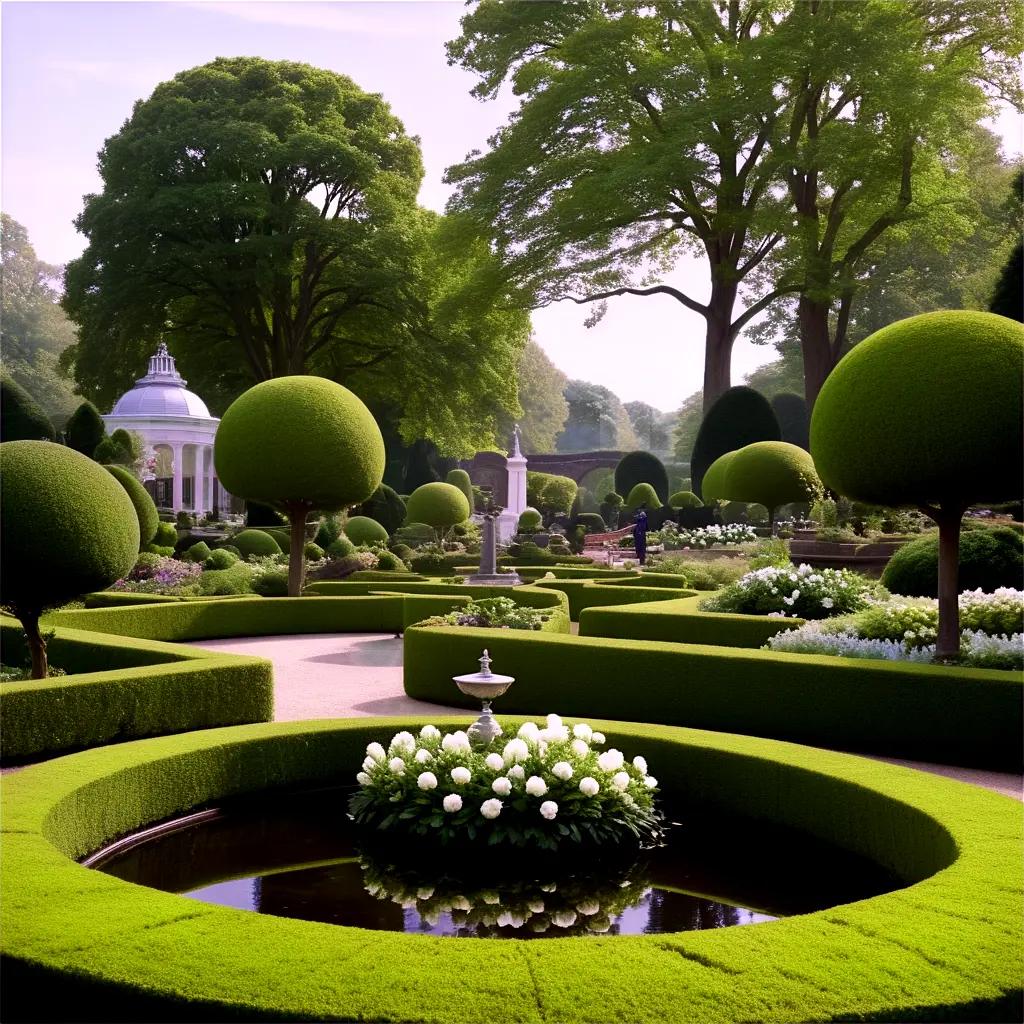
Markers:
point(36, 644)
point(816, 346)
point(949, 519)
point(297, 557)
point(718, 340)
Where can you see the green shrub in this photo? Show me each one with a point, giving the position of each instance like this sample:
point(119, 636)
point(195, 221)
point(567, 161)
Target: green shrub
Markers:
point(641, 468)
point(329, 530)
point(791, 411)
point(643, 494)
point(390, 562)
point(611, 509)
point(770, 473)
point(226, 581)
point(167, 551)
point(530, 521)
point(438, 505)
point(460, 478)
point(281, 534)
point(257, 514)
point(739, 416)
point(701, 575)
point(402, 551)
point(149, 520)
point(120, 449)
point(21, 416)
point(415, 534)
point(313, 552)
point(770, 551)
point(386, 507)
point(166, 535)
point(68, 528)
point(84, 429)
point(363, 530)
point(272, 583)
point(231, 549)
point(341, 548)
point(198, 552)
point(989, 559)
point(591, 522)
point(220, 559)
point(685, 499)
point(551, 494)
point(255, 543)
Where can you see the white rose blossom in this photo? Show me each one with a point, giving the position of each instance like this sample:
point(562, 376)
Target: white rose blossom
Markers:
point(528, 731)
point(564, 918)
point(423, 756)
point(397, 765)
point(562, 770)
point(611, 760)
point(620, 780)
point(376, 751)
point(456, 743)
point(404, 742)
point(651, 782)
point(369, 764)
point(580, 748)
point(363, 779)
point(536, 786)
point(430, 733)
point(452, 803)
point(588, 907)
point(535, 906)
point(491, 809)
point(501, 786)
point(597, 738)
point(427, 780)
point(517, 772)
point(515, 751)
point(460, 775)
point(582, 731)
point(549, 810)
point(640, 764)
point(589, 786)
point(495, 762)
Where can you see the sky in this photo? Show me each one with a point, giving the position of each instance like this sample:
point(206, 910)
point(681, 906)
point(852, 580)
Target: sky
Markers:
point(72, 71)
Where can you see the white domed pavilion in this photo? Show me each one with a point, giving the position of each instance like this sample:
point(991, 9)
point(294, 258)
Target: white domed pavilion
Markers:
point(177, 426)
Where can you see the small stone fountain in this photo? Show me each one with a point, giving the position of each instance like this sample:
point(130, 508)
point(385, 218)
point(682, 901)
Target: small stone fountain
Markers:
point(485, 685)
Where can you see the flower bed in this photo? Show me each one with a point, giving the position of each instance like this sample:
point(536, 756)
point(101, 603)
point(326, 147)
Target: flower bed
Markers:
point(800, 592)
point(493, 613)
point(544, 787)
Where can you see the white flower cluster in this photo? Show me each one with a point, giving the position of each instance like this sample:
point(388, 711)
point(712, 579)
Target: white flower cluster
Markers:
point(798, 592)
point(675, 537)
point(556, 767)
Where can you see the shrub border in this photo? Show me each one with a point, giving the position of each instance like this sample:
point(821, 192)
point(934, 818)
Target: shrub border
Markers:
point(941, 948)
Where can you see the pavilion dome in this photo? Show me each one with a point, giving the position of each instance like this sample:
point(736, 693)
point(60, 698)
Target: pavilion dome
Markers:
point(161, 392)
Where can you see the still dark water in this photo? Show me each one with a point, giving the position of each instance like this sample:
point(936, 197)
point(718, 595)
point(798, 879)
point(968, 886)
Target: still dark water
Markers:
point(298, 856)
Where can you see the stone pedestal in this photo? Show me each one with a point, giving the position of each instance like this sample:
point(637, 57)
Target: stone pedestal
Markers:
point(515, 466)
point(488, 575)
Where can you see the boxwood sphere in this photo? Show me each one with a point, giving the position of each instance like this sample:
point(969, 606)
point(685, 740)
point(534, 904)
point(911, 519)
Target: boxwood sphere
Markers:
point(68, 527)
point(685, 499)
point(713, 486)
point(641, 467)
point(530, 520)
point(145, 509)
point(770, 473)
point(364, 530)
point(299, 439)
point(253, 543)
point(460, 478)
point(926, 410)
point(438, 504)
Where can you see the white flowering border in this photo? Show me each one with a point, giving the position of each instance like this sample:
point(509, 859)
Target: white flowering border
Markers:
point(546, 786)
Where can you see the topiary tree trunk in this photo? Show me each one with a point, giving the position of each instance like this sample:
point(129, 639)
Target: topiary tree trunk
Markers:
point(948, 519)
point(297, 513)
point(36, 643)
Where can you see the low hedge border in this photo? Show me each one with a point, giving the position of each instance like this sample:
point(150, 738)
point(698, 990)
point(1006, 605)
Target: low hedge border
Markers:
point(78, 944)
point(584, 594)
point(929, 712)
point(118, 689)
point(681, 621)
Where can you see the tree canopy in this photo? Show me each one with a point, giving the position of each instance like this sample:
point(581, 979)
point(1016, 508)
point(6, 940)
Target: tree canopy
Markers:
point(542, 397)
point(261, 216)
point(596, 420)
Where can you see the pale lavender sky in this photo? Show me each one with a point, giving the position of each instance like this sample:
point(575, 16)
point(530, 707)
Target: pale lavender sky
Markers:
point(71, 72)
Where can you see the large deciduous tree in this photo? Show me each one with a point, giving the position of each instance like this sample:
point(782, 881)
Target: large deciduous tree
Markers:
point(260, 216)
point(642, 133)
point(596, 420)
point(542, 397)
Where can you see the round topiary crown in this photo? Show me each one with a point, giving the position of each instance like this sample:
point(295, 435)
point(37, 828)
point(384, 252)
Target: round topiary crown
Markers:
point(299, 439)
point(926, 411)
point(364, 530)
point(770, 473)
point(145, 509)
point(643, 494)
point(68, 527)
point(713, 486)
point(438, 504)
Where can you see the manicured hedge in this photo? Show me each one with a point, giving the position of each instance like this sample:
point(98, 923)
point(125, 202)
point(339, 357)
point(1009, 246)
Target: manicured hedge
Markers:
point(573, 572)
point(932, 713)
point(82, 945)
point(681, 621)
point(118, 689)
point(584, 594)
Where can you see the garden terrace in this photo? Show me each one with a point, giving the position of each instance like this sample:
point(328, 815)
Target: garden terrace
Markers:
point(120, 689)
point(935, 949)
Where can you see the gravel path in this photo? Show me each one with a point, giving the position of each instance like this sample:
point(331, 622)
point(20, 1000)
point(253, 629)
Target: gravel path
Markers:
point(351, 675)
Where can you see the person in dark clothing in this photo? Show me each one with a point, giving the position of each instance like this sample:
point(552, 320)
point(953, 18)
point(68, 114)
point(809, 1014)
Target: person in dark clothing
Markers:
point(640, 534)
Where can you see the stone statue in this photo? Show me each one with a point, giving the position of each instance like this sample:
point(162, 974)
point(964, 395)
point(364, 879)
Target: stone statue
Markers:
point(516, 437)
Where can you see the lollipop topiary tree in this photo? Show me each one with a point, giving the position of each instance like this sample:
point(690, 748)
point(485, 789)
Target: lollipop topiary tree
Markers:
point(299, 444)
point(145, 509)
point(641, 468)
point(770, 473)
point(439, 505)
point(685, 499)
point(714, 488)
point(460, 478)
point(927, 412)
point(68, 527)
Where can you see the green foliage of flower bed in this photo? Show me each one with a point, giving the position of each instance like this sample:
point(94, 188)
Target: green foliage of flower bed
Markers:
point(491, 613)
point(931, 712)
point(584, 594)
point(78, 944)
point(117, 689)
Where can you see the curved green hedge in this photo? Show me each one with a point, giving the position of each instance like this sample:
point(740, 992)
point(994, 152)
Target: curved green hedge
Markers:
point(585, 594)
point(79, 944)
point(118, 689)
point(928, 712)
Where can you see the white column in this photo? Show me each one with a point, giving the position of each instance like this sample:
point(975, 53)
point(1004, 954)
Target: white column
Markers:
point(177, 451)
point(200, 485)
point(209, 478)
